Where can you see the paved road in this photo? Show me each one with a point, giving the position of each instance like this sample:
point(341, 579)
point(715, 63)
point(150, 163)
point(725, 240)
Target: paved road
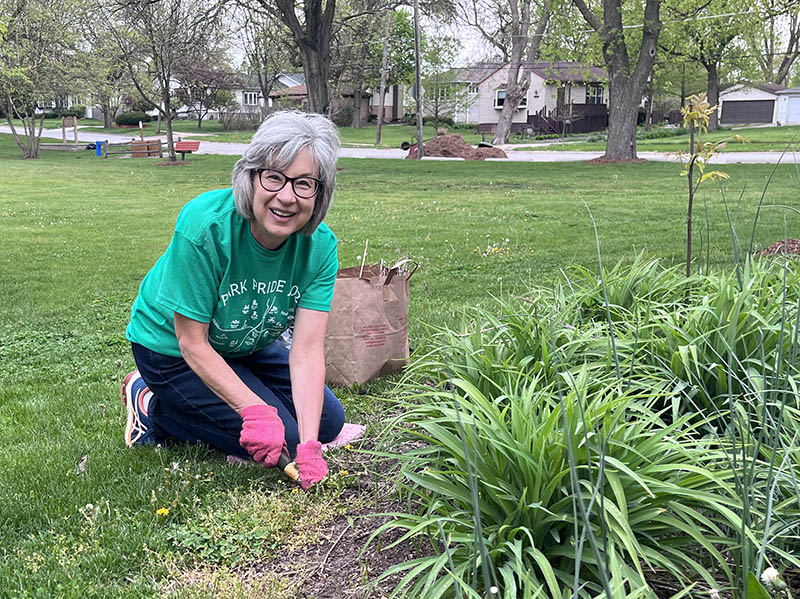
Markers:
point(236, 149)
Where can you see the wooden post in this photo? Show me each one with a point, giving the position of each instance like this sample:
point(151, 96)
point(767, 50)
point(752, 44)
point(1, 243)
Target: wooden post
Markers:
point(75, 127)
point(141, 131)
point(384, 68)
point(420, 150)
point(63, 131)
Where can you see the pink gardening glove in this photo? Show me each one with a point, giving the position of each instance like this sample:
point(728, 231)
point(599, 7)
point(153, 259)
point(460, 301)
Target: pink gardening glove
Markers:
point(262, 433)
point(310, 464)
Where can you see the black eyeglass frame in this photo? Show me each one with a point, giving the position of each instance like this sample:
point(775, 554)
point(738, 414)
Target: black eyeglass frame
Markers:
point(288, 179)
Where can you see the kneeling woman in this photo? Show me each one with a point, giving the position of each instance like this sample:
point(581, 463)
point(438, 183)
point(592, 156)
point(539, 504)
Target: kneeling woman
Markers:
point(244, 265)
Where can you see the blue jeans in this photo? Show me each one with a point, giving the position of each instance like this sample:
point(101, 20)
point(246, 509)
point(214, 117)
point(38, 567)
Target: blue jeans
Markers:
point(184, 408)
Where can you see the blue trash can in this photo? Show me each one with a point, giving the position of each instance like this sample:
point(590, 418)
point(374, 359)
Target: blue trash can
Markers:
point(98, 148)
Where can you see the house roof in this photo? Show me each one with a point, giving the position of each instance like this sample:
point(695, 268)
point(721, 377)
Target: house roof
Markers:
point(297, 91)
point(770, 88)
point(575, 72)
point(789, 91)
point(478, 72)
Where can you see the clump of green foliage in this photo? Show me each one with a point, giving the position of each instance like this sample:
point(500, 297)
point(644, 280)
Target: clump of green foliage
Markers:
point(569, 441)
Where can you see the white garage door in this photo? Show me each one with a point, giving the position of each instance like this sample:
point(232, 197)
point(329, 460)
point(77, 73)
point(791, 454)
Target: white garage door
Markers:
point(793, 111)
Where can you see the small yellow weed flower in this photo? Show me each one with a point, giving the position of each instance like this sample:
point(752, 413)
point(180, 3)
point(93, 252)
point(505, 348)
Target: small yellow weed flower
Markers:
point(348, 447)
point(162, 511)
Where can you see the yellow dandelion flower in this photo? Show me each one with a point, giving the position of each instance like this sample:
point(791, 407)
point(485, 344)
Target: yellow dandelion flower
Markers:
point(162, 511)
point(295, 490)
point(348, 447)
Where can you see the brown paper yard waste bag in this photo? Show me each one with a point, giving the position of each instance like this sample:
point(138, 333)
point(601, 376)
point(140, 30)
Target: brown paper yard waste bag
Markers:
point(367, 333)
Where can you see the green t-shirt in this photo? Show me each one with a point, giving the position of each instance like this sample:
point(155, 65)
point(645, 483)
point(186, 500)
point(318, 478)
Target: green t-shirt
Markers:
point(215, 271)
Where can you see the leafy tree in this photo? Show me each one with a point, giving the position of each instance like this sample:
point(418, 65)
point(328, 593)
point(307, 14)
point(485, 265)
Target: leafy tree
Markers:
point(36, 62)
point(311, 24)
point(627, 79)
point(154, 37)
point(269, 48)
point(203, 86)
point(776, 44)
point(696, 33)
point(508, 30)
point(104, 76)
point(444, 94)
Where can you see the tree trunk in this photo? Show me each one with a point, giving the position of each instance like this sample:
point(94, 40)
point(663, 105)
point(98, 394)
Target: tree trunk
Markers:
point(168, 122)
point(625, 82)
point(316, 69)
point(384, 68)
point(313, 38)
point(357, 87)
point(712, 94)
point(516, 89)
point(623, 110)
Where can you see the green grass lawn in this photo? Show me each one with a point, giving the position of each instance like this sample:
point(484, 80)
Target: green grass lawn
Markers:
point(78, 233)
point(759, 139)
point(392, 135)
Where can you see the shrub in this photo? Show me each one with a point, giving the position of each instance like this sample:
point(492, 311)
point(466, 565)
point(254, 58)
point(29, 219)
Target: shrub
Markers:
point(240, 121)
point(132, 118)
point(661, 132)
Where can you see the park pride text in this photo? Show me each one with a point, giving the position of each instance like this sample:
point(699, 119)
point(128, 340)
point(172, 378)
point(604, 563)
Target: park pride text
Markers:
point(259, 288)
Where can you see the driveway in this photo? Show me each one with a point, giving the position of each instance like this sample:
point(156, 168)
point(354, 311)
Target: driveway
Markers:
point(237, 149)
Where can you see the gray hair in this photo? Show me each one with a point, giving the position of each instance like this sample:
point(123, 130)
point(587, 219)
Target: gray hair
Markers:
point(276, 144)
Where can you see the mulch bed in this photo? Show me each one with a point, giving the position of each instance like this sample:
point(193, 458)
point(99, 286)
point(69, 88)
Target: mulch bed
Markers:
point(785, 246)
point(454, 146)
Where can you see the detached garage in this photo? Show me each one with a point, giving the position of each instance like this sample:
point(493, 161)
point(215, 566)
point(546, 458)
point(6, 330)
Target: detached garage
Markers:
point(789, 106)
point(742, 104)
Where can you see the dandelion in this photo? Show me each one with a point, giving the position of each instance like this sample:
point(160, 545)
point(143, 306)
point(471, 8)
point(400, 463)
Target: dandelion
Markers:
point(162, 511)
point(345, 472)
point(494, 590)
point(348, 447)
point(772, 578)
point(714, 593)
point(295, 490)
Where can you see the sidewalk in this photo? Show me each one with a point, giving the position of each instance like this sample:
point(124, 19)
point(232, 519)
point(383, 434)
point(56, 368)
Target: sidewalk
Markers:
point(237, 149)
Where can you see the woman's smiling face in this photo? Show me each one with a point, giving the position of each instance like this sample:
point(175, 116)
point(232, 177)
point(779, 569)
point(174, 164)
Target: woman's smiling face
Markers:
point(278, 214)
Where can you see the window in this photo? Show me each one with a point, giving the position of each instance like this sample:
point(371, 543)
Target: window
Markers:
point(473, 89)
point(251, 98)
point(594, 94)
point(500, 99)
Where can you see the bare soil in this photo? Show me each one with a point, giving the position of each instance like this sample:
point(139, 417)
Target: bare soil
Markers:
point(454, 146)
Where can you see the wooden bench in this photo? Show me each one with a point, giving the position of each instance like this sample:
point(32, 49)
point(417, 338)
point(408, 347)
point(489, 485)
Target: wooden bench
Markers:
point(186, 147)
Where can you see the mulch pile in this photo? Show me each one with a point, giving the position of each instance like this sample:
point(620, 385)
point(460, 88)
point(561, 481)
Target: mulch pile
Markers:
point(454, 146)
point(785, 246)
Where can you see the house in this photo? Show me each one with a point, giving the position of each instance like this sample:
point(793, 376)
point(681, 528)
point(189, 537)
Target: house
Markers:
point(789, 106)
point(297, 97)
point(756, 103)
point(249, 96)
point(562, 96)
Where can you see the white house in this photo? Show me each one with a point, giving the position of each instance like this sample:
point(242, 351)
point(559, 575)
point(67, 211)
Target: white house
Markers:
point(789, 106)
point(559, 92)
point(755, 103)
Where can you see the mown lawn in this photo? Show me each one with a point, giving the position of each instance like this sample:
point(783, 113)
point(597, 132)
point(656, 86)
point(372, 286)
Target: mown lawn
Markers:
point(759, 139)
point(78, 511)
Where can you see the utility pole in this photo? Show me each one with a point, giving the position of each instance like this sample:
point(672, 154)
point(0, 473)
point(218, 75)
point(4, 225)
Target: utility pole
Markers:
point(418, 83)
point(384, 68)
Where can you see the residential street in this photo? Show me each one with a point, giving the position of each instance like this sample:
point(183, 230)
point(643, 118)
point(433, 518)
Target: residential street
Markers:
point(236, 149)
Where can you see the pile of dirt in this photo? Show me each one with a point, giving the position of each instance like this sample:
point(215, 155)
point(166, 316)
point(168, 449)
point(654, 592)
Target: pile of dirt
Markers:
point(785, 246)
point(454, 146)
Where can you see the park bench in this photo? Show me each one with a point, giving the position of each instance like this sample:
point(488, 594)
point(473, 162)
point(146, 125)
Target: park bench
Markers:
point(186, 147)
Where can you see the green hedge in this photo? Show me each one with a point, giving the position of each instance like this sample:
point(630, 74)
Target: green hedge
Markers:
point(132, 118)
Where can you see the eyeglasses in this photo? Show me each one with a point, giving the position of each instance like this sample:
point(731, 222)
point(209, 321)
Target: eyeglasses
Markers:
point(274, 181)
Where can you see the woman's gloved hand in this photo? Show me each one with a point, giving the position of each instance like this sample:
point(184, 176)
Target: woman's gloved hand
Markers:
point(312, 467)
point(262, 433)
